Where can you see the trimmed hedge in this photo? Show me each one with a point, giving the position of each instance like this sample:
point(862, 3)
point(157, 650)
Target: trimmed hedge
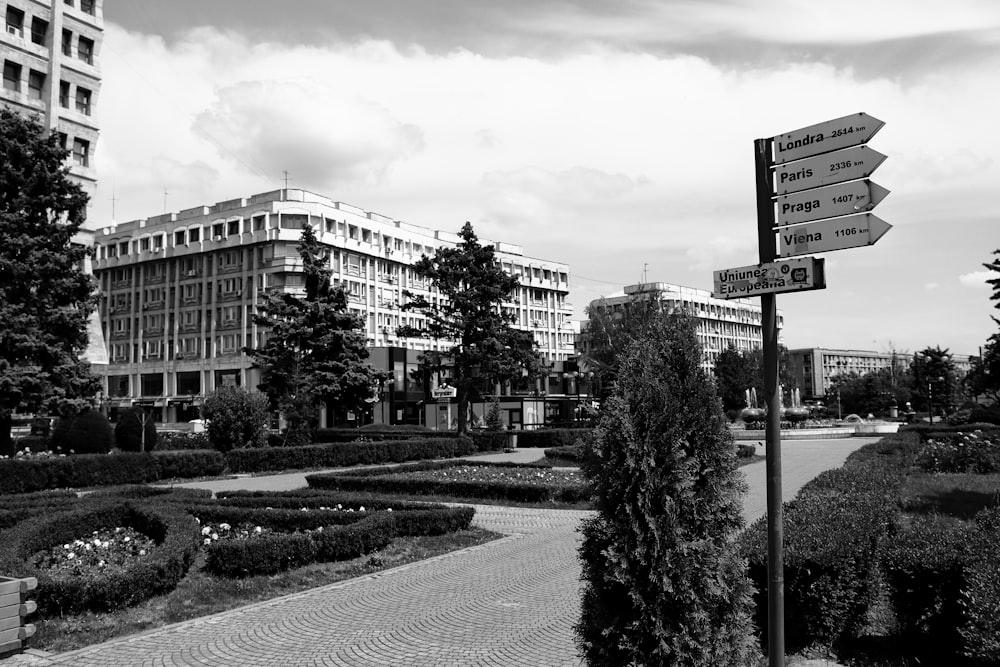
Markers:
point(378, 432)
point(980, 597)
point(175, 534)
point(834, 533)
point(346, 454)
point(395, 481)
point(173, 440)
point(17, 507)
point(926, 431)
point(552, 437)
point(26, 475)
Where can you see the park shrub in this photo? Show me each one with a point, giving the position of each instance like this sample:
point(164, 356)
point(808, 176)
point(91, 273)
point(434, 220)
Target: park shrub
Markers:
point(924, 564)
point(663, 581)
point(135, 430)
point(378, 432)
point(175, 534)
point(897, 451)
point(346, 454)
point(962, 451)
point(17, 507)
point(551, 437)
point(236, 418)
point(746, 451)
point(31, 443)
point(832, 544)
point(88, 432)
point(939, 429)
point(980, 595)
point(267, 554)
point(181, 440)
point(397, 480)
point(27, 475)
point(490, 441)
point(337, 543)
point(985, 414)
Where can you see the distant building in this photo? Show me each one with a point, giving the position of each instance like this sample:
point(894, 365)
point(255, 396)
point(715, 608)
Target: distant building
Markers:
point(720, 322)
point(814, 369)
point(180, 289)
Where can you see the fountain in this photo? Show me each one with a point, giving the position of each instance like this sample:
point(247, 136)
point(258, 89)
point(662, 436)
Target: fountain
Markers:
point(751, 414)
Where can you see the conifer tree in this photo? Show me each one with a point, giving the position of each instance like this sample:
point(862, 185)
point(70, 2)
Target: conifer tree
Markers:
point(663, 582)
point(45, 297)
point(470, 318)
point(316, 349)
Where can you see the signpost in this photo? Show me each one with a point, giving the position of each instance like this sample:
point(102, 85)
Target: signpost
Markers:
point(852, 130)
point(812, 176)
point(797, 275)
point(843, 199)
point(853, 231)
point(827, 169)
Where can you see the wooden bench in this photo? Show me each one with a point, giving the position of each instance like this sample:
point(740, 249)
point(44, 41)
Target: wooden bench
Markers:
point(14, 607)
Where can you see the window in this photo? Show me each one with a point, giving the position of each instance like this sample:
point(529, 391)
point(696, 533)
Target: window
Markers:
point(67, 42)
point(194, 234)
point(123, 248)
point(217, 231)
point(83, 100)
point(39, 30)
point(15, 21)
point(85, 50)
point(233, 227)
point(64, 94)
point(144, 243)
point(179, 236)
point(258, 222)
point(81, 152)
point(36, 84)
point(11, 76)
point(87, 6)
point(158, 244)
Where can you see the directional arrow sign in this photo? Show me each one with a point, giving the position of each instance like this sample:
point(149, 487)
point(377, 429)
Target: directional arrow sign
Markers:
point(832, 135)
point(843, 199)
point(828, 169)
point(853, 231)
point(795, 275)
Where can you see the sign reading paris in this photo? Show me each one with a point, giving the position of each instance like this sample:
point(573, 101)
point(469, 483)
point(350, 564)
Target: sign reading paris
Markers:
point(832, 135)
point(827, 169)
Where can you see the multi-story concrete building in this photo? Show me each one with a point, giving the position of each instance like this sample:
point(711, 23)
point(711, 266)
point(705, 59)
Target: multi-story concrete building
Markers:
point(50, 52)
point(813, 369)
point(50, 70)
point(720, 322)
point(179, 291)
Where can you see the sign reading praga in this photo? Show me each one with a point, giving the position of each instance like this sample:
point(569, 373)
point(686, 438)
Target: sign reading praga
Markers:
point(795, 275)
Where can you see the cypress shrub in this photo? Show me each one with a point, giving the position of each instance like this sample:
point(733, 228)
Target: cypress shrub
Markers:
point(236, 418)
point(663, 582)
point(129, 430)
point(90, 433)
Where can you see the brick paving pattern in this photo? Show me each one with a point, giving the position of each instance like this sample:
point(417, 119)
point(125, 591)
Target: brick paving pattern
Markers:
point(510, 602)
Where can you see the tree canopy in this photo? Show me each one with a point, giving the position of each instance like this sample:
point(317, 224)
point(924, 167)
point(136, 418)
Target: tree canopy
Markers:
point(315, 349)
point(45, 297)
point(470, 318)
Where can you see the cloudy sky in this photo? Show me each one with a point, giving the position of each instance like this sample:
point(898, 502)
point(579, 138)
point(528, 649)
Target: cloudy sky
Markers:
point(613, 135)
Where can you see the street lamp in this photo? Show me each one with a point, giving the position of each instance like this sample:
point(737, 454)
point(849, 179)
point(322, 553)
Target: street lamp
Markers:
point(926, 358)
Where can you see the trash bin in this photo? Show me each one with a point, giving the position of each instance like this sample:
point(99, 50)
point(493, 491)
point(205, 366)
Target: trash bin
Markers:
point(511, 439)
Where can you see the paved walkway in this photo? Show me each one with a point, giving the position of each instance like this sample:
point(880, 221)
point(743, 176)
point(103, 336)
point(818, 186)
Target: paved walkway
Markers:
point(510, 602)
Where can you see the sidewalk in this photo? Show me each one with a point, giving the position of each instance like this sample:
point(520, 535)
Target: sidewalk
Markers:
point(511, 602)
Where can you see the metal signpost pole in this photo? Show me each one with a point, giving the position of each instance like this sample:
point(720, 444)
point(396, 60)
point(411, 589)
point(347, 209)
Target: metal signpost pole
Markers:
point(768, 303)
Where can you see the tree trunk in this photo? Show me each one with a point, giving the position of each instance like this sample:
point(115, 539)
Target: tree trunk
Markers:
point(463, 407)
point(6, 441)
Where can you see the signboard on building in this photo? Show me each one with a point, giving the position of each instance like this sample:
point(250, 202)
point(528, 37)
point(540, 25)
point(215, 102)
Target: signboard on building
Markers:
point(444, 392)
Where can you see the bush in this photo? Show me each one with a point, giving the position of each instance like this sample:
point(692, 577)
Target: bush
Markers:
point(268, 554)
point(924, 565)
point(980, 596)
point(961, 452)
point(379, 432)
point(490, 441)
point(554, 437)
point(346, 454)
point(663, 582)
point(88, 432)
point(236, 418)
point(175, 534)
point(985, 415)
point(174, 441)
point(135, 431)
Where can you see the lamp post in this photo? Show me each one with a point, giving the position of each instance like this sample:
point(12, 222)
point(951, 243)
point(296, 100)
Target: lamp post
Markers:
point(926, 358)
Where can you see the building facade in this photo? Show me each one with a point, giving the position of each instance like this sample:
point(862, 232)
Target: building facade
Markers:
point(813, 369)
point(51, 52)
point(179, 291)
point(720, 323)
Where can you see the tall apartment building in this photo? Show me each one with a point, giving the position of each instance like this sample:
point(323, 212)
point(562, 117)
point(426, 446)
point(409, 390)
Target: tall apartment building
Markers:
point(179, 290)
point(50, 52)
point(50, 69)
point(720, 322)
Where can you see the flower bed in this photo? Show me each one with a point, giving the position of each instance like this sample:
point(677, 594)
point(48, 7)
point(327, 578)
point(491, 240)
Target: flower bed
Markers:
point(26, 551)
point(525, 483)
point(975, 452)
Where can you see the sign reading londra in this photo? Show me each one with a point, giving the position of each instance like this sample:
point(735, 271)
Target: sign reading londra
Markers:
point(796, 275)
point(831, 135)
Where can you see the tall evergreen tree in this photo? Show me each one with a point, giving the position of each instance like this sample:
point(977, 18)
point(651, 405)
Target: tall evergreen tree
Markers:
point(735, 373)
point(994, 282)
point(315, 349)
point(663, 582)
point(470, 318)
point(45, 298)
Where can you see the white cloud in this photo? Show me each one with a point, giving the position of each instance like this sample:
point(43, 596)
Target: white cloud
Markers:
point(976, 278)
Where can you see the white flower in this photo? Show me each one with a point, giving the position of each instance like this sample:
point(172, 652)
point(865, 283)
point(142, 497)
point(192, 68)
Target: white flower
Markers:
point(215, 536)
point(388, 509)
point(208, 540)
point(224, 526)
point(100, 563)
point(66, 546)
point(196, 520)
point(361, 509)
point(258, 530)
point(88, 547)
point(127, 539)
point(206, 530)
point(142, 552)
point(71, 555)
